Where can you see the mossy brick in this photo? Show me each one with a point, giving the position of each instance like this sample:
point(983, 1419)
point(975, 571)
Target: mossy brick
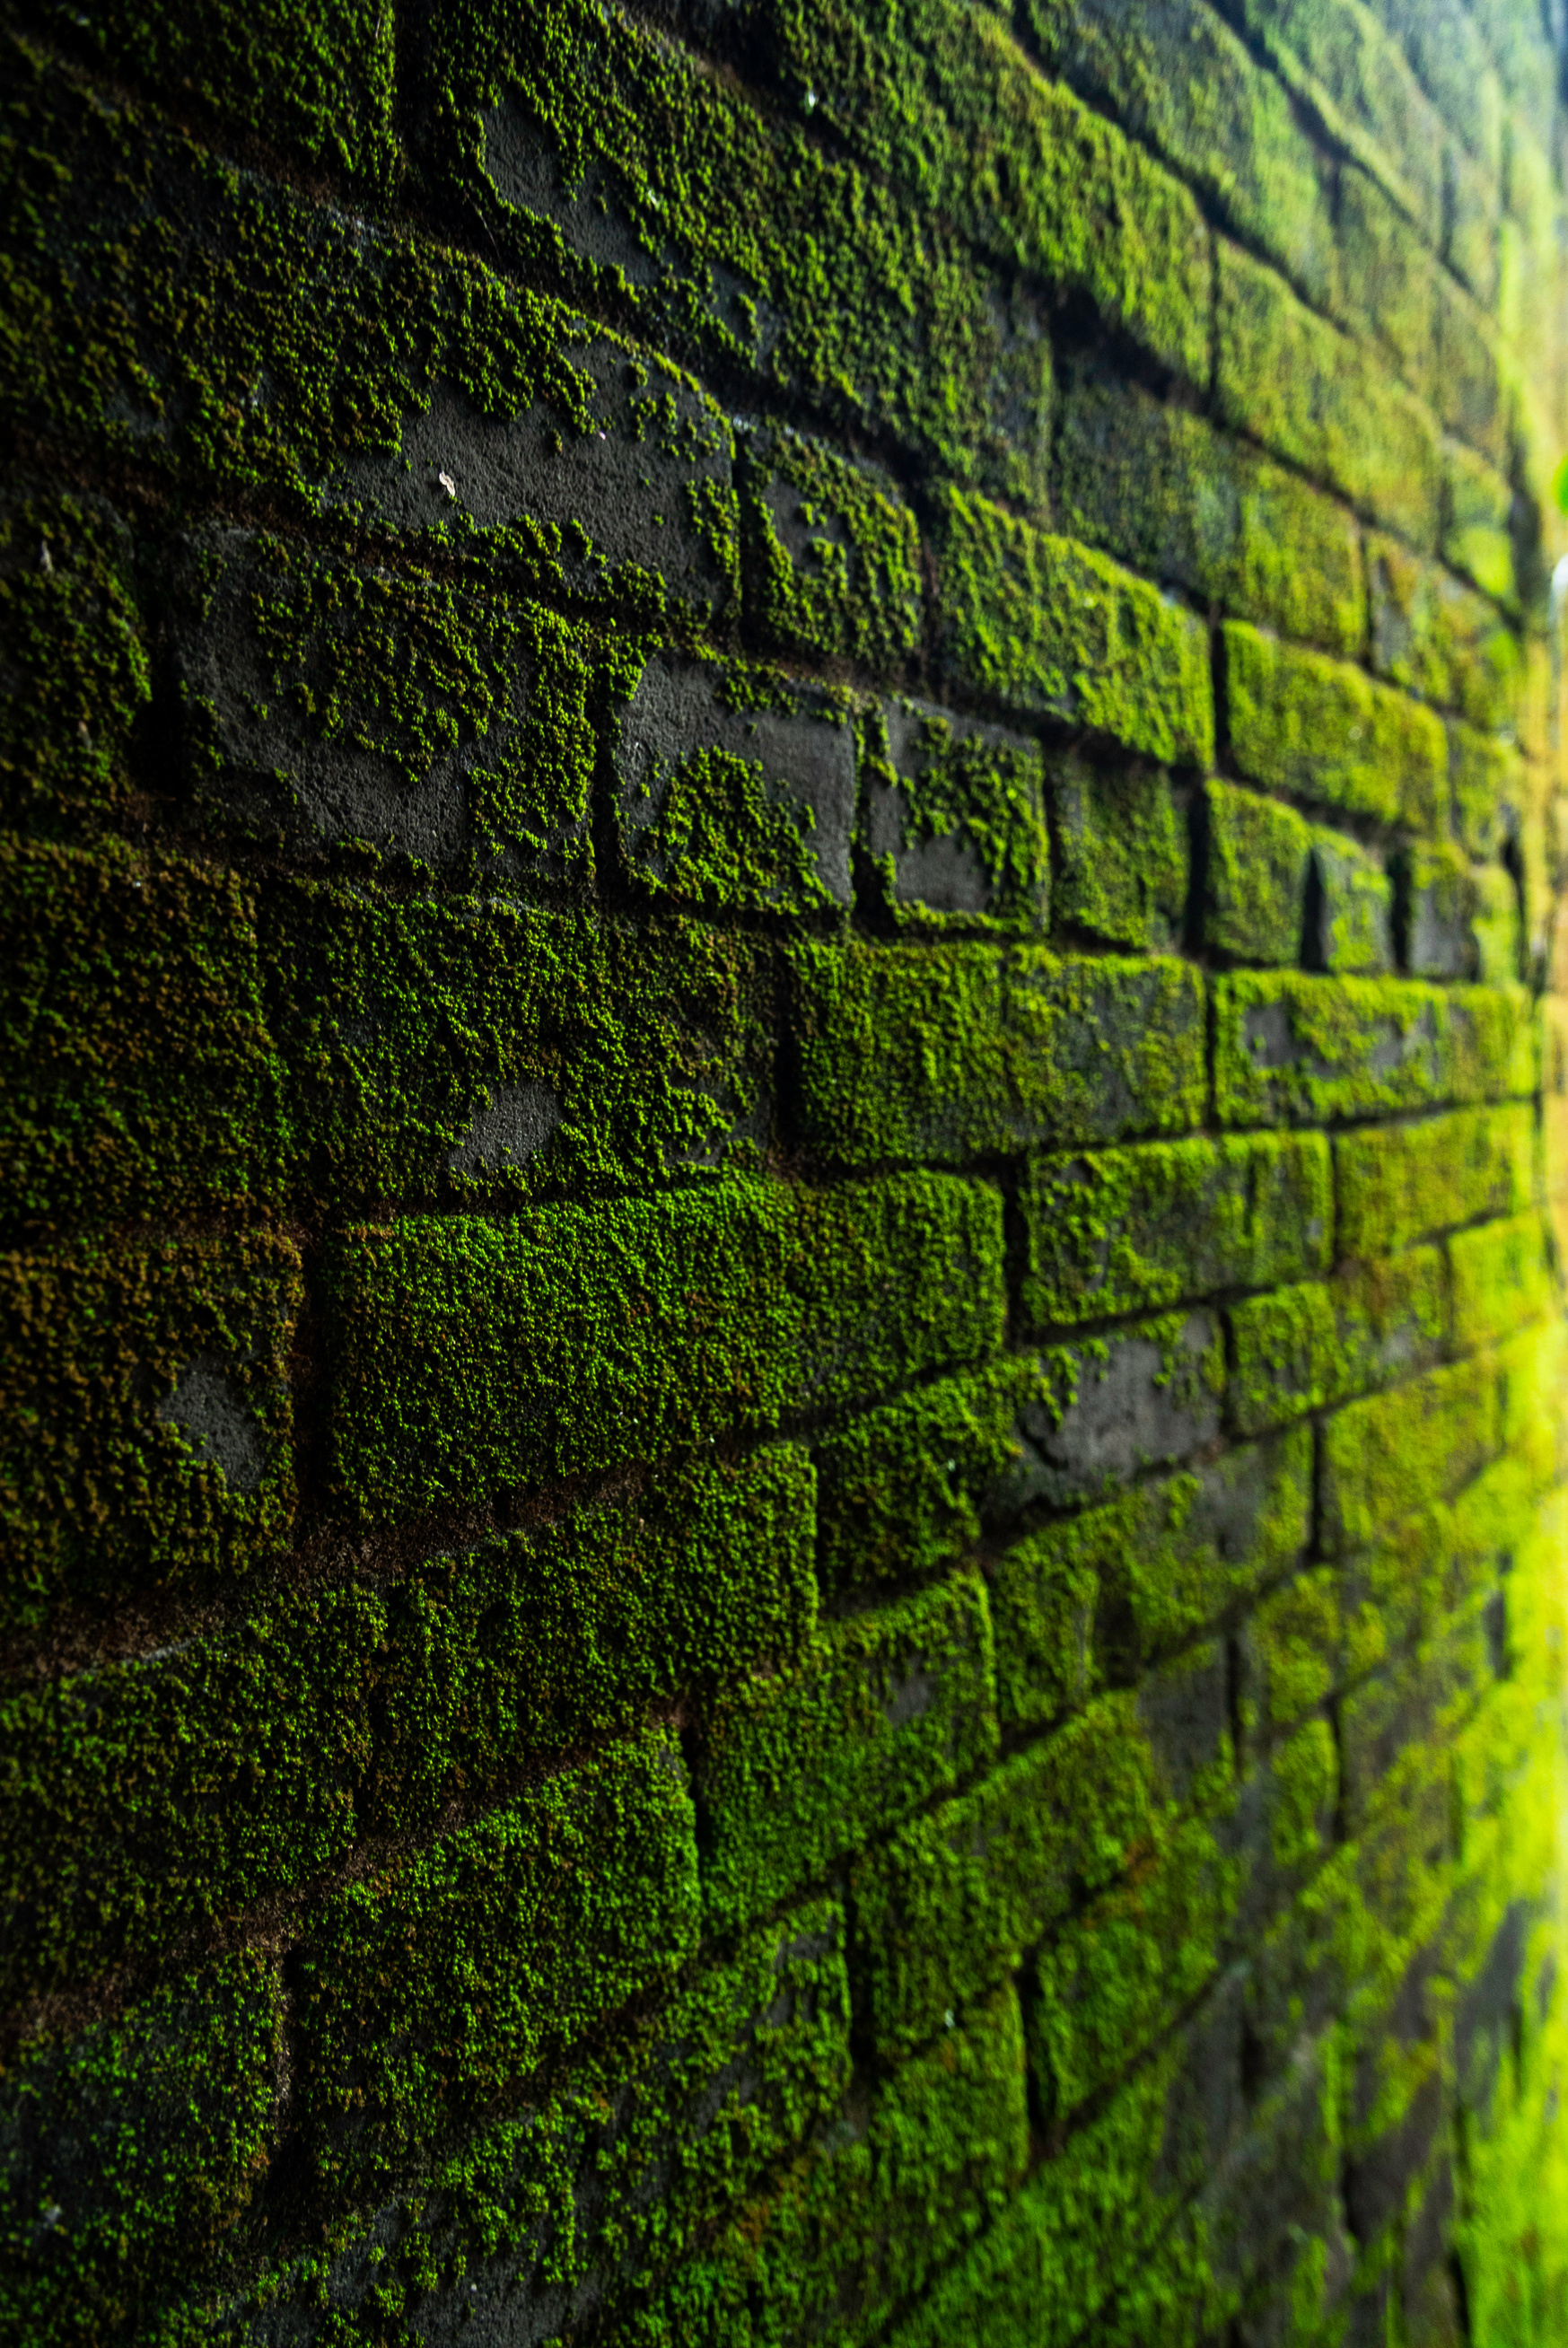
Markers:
point(190, 362)
point(1436, 905)
point(1350, 905)
point(900, 1489)
point(463, 1048)
point(1095, 1600)
point(150, 1417)
point(551, 2214)
point(1479, 524)
point(943, 99)
point(1302, 1348)
point(1044, 627)
point(1166, 493)
point(1291, 1656)
point(1323, 401)
point(1390, 285)
point(873, 2211)
point(132, 2149)
point(1440, 639)
point(1413, 1701)
point(1122, 851)
point(77, 664)
point(140, 1077)
point(1496, 928)
point(1121, 1231)
point(1535, 1377)
point(1298, 1049)
point(833, 552)
point(1502, 1278)
point(472, 1356)
point(951, 1902)
point(736, 788)
point(1445, 1560)
point(1108, 1406)
point(439, 1978)
point(992, 2293)
point(537, 1641)
point(1447, 53)
point(592, 155)
point(949, 1052)
point(1299, 722)
point(799, 1771)
point(1394, 1183)
point(317, 85)
point(1257, 858)
point(325, 702)
point(1386, 1457)
point(1491, 789)
point(952, 830)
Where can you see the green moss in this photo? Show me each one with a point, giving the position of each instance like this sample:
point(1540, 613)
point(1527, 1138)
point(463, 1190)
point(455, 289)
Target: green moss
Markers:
point(1122, 857)
point(1440, 639)
point(472, 1357)
point(1478, 532)
point(1302, 1348)
point(444, 1976)
point(800, 1771)
point(1387, 1457)
point(949, 1052)
point(1042, 625)
point(1123, 1231)
point(1435, 901)
point(1502, 1279)
point(1162, 491)
point(132, 2149)
point(1491, 789)
point(1394, 1183)
point(1311, 395)
point(1497, 928)
point(1294, 1050)
point(1323, 730)
point(1350, 907)
point(1254, 875)
point(834, 552)
point(1111, 1406)
point(953, 822)
point(150, 1418)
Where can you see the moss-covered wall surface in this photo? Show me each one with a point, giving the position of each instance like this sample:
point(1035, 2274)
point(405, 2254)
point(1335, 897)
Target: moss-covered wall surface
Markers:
point(785, 1140)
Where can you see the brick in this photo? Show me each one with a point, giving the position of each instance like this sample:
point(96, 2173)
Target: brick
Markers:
point(954, 829)
point(148, 1393)
point(1290, 1656)
point(889, 1709)
point(1322, 401)
point(1491, 789)
point(1323, 730)
point(1390, 284)
point(1123, 855)
point(546, 2218)
point(133, 2148)
point(1302, 1348)
point(1119, 1230)
point(1114, 1405)
point(1255, 868)
point(1447, 53)
point(1294, 1049)
point(430, 1983)
point(1095, 1600)
point(1478, 535)
point(111, 949)
point(1048, 627)
point(870, 2214)
point(1349, 923)
point(1502, 1279)
point(1535, 1428)
point(1436, 905)
point(992, 2293)
point(1394, 1183)
point(1497, 928)
point(1165, 492)
point(835, 566)
point(473, 1357)
point(950, 1052)
point(1387, 1456)
point(1441, 638)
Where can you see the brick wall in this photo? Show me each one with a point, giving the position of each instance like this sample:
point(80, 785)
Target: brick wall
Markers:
point(787, 1149)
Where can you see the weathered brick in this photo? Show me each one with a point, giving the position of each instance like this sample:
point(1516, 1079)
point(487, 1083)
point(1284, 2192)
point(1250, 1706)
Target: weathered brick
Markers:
point(1257, 858)
point(1502, 1279)
point(1479, 531)
point(1394, 1183)
point(1119, 1230)
point(1122, 852)
point(1440, 639)
point(1386, 1457)
point(1292, 1049)
point(1113, 1404)
point(1323, 729)
point(1491, 789)
point(835, 552)
point(947, 1053)
point(889, 1709)
point(954, 827)
point(473, 1357)
point(1437, 904)
point(1301, 1348)
point(1350, 906)
point(1048, 627)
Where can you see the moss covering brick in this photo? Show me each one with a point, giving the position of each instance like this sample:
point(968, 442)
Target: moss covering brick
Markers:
point(1491, 790)
point(1162, 491)
point(1322, 729)
point(1122, 852)
point(432, 1982)
point(1043, 626)
point(1294, 1049)
point(132, 2149)
point(1302, 1348)
point(1113, 1406)
point(949, 1052)
point(1440, 639)
point(800, 1770)
point(873, 2211)
point(1437, 906)
point(1501, 1278)
point(1259, 855)
point(1478, 536)
point(1350, 907)
point(952, 829)
point(1386, 1457)
point(833, 552)
point(150, 1418)
point(1394, 1183)
point(473, 1357)
point(1094, 1601)
point(1116, 1230)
